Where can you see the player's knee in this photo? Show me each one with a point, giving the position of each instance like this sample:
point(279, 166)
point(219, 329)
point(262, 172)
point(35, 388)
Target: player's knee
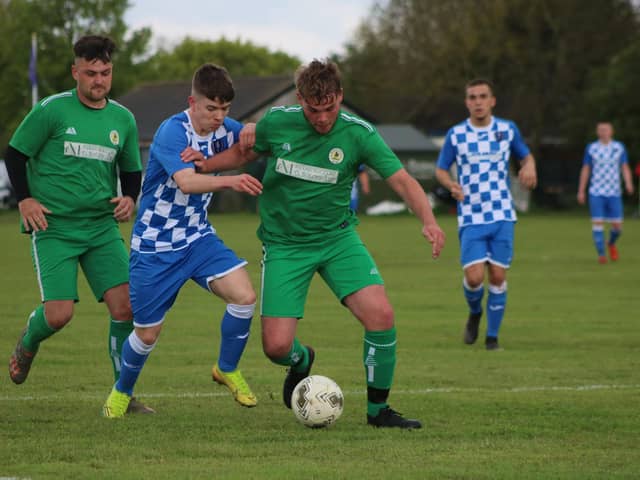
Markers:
point(275, 348)
point(58, 316)
point(497, 277)
point(246, 297)
point(240, 296)
point(148, 336)
point(380, 319)
point(474, 275)
point(122, 312)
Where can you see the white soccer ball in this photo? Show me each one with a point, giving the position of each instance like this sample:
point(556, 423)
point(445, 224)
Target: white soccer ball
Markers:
point(317, 401)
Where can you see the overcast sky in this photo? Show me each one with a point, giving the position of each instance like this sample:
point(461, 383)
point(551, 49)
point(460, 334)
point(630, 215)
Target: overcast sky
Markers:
point(306, 28)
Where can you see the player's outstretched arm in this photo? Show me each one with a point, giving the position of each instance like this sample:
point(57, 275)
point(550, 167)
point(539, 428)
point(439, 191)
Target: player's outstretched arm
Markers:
point(189, 181)
point(229, 159)
point(412, 193)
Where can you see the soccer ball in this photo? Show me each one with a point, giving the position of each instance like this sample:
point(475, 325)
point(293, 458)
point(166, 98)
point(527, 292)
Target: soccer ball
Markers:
point(317, 401)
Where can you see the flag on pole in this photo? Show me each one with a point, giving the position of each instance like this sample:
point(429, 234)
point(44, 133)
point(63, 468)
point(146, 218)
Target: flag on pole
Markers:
point(33, 75)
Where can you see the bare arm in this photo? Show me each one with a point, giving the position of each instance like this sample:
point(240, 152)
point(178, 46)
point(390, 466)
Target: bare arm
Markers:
point(447, 182)
point(527, 174)
point(363, 177)
point(628, 179)
point(234, 157)
point(190, 181)
point(412, 193)
point(230, 159)
point(585, 173)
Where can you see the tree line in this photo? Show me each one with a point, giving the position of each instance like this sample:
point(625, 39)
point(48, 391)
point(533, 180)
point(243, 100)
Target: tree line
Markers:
point(58, 23)
point(558, 66)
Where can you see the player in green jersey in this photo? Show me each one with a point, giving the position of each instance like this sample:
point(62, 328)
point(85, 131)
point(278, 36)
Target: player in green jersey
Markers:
point(64, 161)
point(314, 151)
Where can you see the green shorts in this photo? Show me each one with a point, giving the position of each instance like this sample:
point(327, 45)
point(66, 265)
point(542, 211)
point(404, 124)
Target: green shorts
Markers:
point(343, 262)
point(97, 246)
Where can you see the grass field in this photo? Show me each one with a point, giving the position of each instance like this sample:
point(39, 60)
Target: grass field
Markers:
point(560, 401)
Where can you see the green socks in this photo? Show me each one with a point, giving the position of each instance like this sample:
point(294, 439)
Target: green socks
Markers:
point(379, 356)
point(297, 358)
point(37, 330)
point(118, 332)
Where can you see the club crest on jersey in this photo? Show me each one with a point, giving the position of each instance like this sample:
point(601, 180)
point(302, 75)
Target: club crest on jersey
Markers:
point(501, 136)
point(286, 147)
point(336, 155)
point(114, 137)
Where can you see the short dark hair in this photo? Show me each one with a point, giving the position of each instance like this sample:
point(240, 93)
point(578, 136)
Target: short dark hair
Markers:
point(214, 82)
point(478, 81)
point(92, 47)
point(318, 80)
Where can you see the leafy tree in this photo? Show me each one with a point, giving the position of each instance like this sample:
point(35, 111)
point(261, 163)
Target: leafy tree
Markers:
point(612, 96)
point(240, 58)
point(410, 59)
point(57, 23)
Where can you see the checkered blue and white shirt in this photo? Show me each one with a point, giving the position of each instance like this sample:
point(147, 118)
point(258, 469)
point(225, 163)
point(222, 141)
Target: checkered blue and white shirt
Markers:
point(169, 219)
point(482, 159)
point(605, 162)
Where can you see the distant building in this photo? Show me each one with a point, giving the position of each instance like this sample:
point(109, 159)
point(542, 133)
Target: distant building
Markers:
point(152, 103)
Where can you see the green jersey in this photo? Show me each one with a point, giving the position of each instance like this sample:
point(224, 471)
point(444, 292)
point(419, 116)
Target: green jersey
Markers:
point(308, 178)
point(75, 153)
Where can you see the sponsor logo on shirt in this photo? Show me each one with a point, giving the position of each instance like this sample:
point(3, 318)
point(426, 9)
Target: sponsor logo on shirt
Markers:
point(485, 156)
point(89, 151)
point(114, 137)
point(306, 172)
point(336, 155)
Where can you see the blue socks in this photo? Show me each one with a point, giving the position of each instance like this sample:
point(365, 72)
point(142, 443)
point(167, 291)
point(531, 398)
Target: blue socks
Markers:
point(473, 296)
point(597, 231)
point(613, 235)
point(234, 335)
point(496, 303)
point(134, 354)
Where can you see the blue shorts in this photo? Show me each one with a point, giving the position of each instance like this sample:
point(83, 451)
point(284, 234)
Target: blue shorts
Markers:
point(491, 243)
point(605, 208)
point(156, 278)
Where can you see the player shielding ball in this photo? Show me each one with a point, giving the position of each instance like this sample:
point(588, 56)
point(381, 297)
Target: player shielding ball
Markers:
point(314, 151)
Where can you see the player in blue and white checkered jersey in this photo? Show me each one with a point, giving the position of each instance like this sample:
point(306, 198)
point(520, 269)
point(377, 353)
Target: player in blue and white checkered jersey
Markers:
point(603, 161)
point(481, 148)
point(173, 241)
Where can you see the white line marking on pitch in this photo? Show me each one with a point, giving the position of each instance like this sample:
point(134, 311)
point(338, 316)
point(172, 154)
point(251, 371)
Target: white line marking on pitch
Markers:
point(423, 391)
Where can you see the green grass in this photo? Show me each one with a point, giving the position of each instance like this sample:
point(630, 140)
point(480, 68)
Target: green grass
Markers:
point(560, 401)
